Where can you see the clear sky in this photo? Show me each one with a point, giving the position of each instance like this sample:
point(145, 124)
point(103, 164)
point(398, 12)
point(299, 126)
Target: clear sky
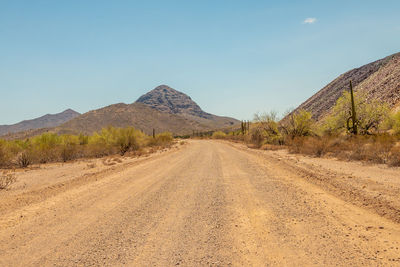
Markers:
point(233, 58)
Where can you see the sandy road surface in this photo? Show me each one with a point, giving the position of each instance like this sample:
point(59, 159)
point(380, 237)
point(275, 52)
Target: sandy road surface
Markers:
point(208, 203)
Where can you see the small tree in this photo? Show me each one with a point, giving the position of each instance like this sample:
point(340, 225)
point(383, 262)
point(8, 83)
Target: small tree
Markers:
point(266, 128)
point(297, 124)
point(126, 139)
point(369, 113)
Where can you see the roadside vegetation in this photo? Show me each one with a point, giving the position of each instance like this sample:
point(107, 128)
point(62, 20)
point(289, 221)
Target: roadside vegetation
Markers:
point(51, 147)
point(6, 179)
point(373, 137)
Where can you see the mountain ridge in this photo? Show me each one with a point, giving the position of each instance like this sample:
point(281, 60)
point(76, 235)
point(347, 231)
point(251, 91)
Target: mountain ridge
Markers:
point(45, 121)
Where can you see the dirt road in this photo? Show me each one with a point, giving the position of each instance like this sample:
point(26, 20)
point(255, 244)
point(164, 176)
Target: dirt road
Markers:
point(207, 203)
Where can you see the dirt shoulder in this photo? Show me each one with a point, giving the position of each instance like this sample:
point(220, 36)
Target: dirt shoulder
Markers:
point(372, 186)
point(39, 182)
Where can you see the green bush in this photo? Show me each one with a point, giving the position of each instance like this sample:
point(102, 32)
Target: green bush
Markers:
point(395, 123)
point(370, 114)
point(297, 124)
point(218, 135)
point(127, 139)
point(4, 154)
point(50, 147)
point(161, 139)
point(265, 129)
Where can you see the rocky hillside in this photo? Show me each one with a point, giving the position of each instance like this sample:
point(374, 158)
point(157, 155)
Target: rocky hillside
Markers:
point(46, 121)
point(137, 115)
point(379, 79)
point(168, 100)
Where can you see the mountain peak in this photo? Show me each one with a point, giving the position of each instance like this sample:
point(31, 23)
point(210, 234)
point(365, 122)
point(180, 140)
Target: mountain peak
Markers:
point(69, 111)
point(167, 99)
point(163, 87)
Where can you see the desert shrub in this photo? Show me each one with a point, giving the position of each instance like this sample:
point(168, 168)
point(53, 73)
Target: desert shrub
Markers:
point(370, 114)
point(256, 136)
point(112, 140)
point(219, 135)
point(162, 139)
point(97, 146)
point(24, 159)
point(69, 147)
point(297, 124)
point(83, 139)
point(50, 147)
point(127, 139)
point(317, 146)
point(394, 123)
point(4, 154)
point(376, 149)
point(381, 148)
point(394, 158)
point(6, 179)
point(45, 147)
point(265, 129)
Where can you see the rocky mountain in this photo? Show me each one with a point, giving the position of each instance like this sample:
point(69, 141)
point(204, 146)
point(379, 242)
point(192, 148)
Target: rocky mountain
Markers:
point(46, 121)
point(168, 100)
point(162, 109)
point(379, 80)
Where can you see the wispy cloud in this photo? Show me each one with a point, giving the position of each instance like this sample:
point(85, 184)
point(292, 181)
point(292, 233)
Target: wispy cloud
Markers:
point(309, 21)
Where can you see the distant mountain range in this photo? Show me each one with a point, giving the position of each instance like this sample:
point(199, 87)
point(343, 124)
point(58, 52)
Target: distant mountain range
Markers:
point(162, 109)
point(379, 80)
point(46, 121)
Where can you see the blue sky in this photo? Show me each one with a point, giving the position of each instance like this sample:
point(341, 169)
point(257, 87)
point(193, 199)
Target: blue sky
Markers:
point(233, 58)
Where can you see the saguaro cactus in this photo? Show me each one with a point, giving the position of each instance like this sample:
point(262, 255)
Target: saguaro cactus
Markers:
point(353, 116)
point(154, 133)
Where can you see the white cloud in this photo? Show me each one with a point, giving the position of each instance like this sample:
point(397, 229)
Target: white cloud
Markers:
point(309, 20)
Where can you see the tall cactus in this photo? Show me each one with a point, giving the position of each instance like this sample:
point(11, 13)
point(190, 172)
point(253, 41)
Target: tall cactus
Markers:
point(353, 116)
point(154, 133)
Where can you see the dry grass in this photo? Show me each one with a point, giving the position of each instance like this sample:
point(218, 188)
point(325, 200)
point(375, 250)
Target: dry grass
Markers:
point(6, 180)
point(91, 165)
point(382, 149)
point(24, 159)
